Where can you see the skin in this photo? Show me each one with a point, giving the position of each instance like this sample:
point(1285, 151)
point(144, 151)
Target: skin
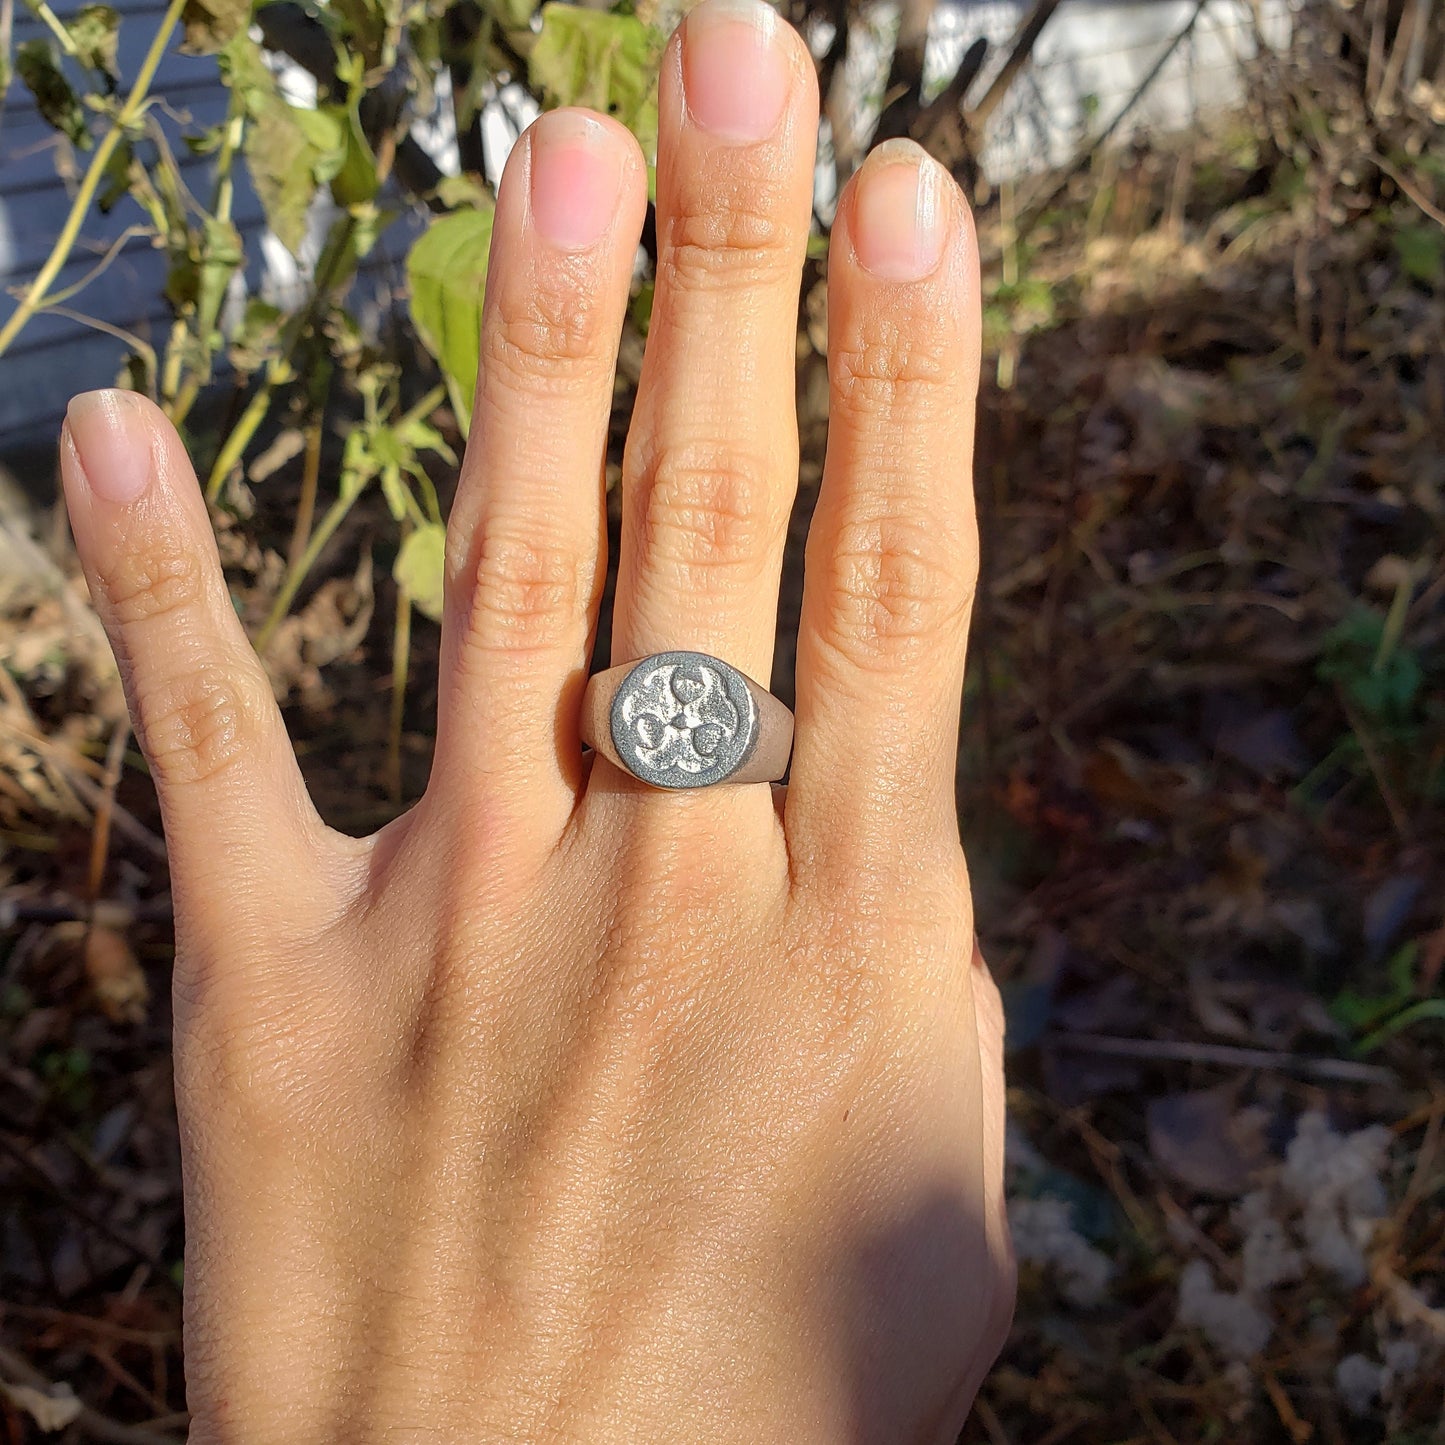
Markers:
point(564, 1109)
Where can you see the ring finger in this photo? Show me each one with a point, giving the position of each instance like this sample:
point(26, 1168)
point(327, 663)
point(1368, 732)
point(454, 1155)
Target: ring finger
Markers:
point(711, 462)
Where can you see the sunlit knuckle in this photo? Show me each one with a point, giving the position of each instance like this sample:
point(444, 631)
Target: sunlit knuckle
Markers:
point(707, 508)
point(201, 724)
point(732, 239)
point(144, 583)
point(546, 335)
point(526, 594)
point(897, 369)
point(896, 586)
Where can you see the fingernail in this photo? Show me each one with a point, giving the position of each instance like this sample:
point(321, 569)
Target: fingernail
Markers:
point(113, 441)
point(576, 179)
point(735, 73)
point(899, 223)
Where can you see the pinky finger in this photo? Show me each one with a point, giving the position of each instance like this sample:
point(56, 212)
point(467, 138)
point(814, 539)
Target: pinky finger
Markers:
point(237, 816)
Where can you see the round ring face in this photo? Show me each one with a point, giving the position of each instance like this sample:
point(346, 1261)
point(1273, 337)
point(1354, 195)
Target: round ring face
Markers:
point(683, 720)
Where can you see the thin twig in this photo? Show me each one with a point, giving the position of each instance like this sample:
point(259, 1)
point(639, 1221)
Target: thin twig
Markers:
point(1092, 147)
point(97, 1426)
point(105, 810)
point(143, 349)
point(306, 502)
point(1436, 215)
point(75, 768)
point(101, 266)
point(1026, 37)
point(1182, 1051)
point(992, 1426)
point(82, 1212)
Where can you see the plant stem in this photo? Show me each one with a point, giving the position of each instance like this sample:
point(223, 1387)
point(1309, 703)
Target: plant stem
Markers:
point(400, 664)
point(185, 400)
point(80, 207)
point(1394, 624)
point(240, 438)
point(181, 396)
point(279, 370)
point(296, 575)
point(42, 12)
point(306, 503)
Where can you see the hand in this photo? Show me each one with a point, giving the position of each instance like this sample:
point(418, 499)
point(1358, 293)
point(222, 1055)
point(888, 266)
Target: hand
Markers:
point(563, 1109)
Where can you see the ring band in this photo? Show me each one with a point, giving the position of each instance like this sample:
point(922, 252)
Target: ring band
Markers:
point(687, 720)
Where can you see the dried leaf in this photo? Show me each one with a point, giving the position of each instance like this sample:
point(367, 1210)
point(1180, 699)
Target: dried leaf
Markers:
point(290, 151)
point(38, 65)
point(115, 976)
point(95, 30)
point(212, 24)
point(1204, 1141)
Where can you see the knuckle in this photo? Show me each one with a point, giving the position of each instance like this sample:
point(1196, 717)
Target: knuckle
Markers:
point(150, 582)
point(707, 508)
point(728, 237)
point(542, 335)
point(197, 727)
point(899, 369)
point(896, 586)
point(526, 595)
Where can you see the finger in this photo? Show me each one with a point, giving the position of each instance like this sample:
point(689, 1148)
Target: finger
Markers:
point(990, 1024)
point(712, 458)
point(892, 552)
point(526, 536)
point(237, 817)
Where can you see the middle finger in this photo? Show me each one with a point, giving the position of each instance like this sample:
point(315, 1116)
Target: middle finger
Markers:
point(712, 458)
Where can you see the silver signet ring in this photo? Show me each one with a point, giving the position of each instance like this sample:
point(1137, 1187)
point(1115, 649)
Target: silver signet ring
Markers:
point(687, 720)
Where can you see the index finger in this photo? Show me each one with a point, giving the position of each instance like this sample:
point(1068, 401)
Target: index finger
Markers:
point(238, 821)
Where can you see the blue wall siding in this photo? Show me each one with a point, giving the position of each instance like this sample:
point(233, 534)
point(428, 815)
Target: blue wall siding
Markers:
point(58, 354)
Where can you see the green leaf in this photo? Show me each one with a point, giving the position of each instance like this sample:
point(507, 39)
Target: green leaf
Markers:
point(95, 29)
point(116, 177)
point(355, 180)
point(212, 24)
point(421, 566)
point(1421, 250)
point(462, 192)
point(419, 435)
point(1384, 685)
point(513, 14)
point(393, 489)
point(368, 29)
point(289, 151)
point(204, 142)
point(447, 271)
point(604, 61)
point(39, 67)
point(221, 255)
point(1429, 1009)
